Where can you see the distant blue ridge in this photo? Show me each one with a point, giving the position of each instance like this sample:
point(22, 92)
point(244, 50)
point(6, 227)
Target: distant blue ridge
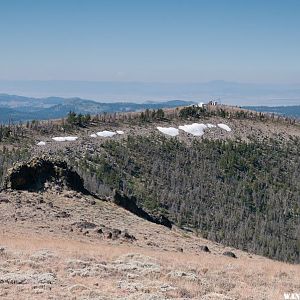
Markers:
point(18, 108)
point(288, 111)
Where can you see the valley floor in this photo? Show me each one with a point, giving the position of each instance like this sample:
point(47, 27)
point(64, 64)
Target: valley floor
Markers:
point(64, 245)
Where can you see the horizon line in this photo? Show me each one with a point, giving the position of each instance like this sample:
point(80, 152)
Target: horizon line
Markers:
point(152, 82)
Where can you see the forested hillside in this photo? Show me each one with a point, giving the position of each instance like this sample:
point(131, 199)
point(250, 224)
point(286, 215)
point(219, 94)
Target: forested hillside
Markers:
point(242, 194)
point(240, 188)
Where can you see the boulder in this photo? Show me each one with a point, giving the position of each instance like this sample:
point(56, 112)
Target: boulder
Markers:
point(230, 254)
point(62, 214)
point(128, 236)
point(115, 233)
point(99, 231)
point(85, 225)
point(204, 248)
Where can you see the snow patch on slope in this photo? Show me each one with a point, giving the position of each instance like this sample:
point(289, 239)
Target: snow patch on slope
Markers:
point(195, 129)
point(106, 133)
point(211, 125)
point(41, 143)
point(168, 130)
point(65, 138)
point(225, 127)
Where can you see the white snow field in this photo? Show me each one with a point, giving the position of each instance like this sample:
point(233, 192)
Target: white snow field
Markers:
point(211, 125)
point(41, 143)
point(225, 127)
point(195, 129)
point(106, 133)
point(168, 130)
point(120, 132)
point(93, 135)
point(65, 138)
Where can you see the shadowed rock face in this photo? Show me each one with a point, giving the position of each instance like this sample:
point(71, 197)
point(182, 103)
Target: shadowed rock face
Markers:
point(129, 203)
point(34, 174)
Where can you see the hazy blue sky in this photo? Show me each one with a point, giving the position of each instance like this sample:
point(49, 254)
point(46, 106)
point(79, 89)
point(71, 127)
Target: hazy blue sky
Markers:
point(153, 40)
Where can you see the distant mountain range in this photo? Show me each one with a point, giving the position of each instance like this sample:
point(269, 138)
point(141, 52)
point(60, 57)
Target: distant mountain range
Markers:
point(231, 93)
point(289, 111)
point(19, 108)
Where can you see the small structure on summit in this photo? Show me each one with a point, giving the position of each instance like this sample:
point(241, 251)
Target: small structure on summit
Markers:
point(212, 103)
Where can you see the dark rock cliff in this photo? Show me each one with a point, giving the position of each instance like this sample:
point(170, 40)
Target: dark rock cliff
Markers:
point(34, 174)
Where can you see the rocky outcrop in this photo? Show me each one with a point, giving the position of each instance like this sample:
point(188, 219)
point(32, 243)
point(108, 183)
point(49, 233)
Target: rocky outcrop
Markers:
point(230, 254)
point(129, 203)
point(204, 248)
point(34, 174)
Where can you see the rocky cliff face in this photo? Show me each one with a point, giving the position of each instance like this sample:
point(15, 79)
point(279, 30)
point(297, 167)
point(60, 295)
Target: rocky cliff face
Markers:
point(44, 172)
point(34, 175)
point(129, 203)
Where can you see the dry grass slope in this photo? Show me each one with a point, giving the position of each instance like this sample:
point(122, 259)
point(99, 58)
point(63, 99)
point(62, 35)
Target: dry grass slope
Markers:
point(48, 254)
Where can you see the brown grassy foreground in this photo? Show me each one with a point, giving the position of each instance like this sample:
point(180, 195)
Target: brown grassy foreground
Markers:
point(99, 271)
point(52, 248)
